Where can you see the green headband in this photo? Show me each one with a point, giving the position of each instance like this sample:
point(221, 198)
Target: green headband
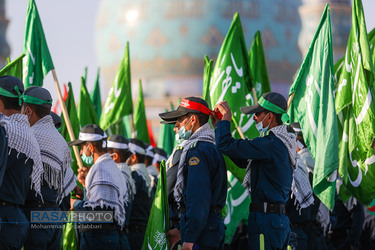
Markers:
point(274, 108)
point(34, 100)
point(6, 93)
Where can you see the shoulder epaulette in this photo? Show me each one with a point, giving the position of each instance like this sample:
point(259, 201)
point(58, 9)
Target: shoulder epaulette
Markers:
point(194, 145)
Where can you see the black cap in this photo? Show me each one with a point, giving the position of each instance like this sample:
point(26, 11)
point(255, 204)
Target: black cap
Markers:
point(273, 97)
point(56, 119)
point(117, 142)
point(188, 105)
point(90, 132)
point(10, 82)
point(40, 93)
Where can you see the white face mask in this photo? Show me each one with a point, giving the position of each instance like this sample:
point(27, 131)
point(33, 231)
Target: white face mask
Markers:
point(260, 128)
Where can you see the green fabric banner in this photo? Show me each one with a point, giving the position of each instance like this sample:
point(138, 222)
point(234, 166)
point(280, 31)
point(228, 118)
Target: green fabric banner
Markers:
point(356, 112)
point(13, 68)
point(96, 97)
point(119, 101)
point(38, 61)
point(158, 221)
point(140, 121)
point(313, 106)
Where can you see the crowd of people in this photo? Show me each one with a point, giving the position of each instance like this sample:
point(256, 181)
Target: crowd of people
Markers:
point(120, 176)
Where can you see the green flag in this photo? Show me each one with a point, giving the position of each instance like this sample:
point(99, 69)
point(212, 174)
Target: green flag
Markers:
point(86, 111)
point(96, 98)
point(73, 117)
point(313, 107)
point(69, 237)
point(208, 66)
point(238, 202)
point(230, 81)
point(356, 112)
point(258, 66)
point(166, 137)
point(140, 122)
point(13, 68)
point(158, 221)
point(230, 78)
point(119, 101)
point(38, 61)
point(371, 38)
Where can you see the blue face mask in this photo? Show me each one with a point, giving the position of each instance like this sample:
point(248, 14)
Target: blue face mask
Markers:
point(88, 160)
point(260, 128)
point(182, 134)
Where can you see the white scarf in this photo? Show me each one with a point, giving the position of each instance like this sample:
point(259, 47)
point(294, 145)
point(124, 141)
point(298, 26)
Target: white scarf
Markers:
point(22, 139)
point(105, 177)
point(125, 169)
point(152, 170)
point(204, 133)
point(290, 142)
point(140, 168)
point(55, 153)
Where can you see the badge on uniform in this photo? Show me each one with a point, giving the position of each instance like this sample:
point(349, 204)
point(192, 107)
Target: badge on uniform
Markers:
point(193, 161)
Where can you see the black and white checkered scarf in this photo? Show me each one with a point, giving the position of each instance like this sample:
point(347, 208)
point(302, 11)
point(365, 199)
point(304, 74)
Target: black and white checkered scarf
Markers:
point(103, 178)
point(22, 139)
point(55, 153)
point(140, 168)
point(70, 182)
point(301, 187)
point(204, 133)
point(125, 169)
point(290, 142)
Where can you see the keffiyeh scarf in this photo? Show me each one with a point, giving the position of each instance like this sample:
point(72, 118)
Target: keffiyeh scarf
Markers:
point(104, 186)
point(22, 139)
point(140, 168)
point(301, 187)
point(204, 133)
point(55, 153)
point(125, 169)
point(290, 142)
point(70, 182)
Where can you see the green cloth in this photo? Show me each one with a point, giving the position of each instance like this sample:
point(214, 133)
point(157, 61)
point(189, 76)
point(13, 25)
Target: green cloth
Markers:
point(14, 68)
point(38, 61)
point(158, 221)
point(119, 101)
point(86, 111)
point(69, 239)
point(96, 98)
point(207, 72)
point(313, 107)
point(258, 66)
point(140, 120)
point(356, 112)
point(238, 202)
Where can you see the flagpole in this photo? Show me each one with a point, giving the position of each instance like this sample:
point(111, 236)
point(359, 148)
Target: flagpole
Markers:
point(290, 99)
point(254, 96)
point(132, 125)
point(238, 128)
point(67, 120)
